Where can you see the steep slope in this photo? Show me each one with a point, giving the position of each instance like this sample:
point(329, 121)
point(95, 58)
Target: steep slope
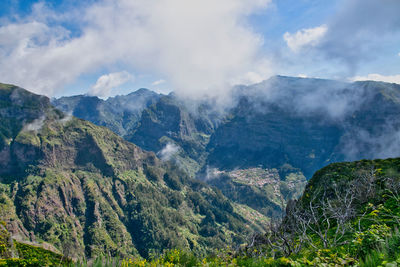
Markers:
point(120, 113)
point(18, 253)
point(292, 125)
point(307, 123)
point(170, 122)
point(348, 214)
point(87, 191)
point(264, 190)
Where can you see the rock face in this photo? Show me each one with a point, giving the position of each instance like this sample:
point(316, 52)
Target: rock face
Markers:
point(87, 191)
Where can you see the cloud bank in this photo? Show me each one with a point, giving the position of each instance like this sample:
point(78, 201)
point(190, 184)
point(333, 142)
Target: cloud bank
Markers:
point(201, 46)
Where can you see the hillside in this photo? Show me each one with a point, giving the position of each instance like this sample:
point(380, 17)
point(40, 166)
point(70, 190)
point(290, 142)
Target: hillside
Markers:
point(87, 191)
point(348, 215)
point(293, 125)
point(22, 253)
point(306, 123)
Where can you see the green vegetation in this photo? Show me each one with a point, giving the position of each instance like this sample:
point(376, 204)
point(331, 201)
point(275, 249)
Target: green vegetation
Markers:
point(87, 191)
point(348, 216)
point(264, 190)
point(14, 253)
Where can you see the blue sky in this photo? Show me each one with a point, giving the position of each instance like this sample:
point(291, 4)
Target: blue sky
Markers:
point(196, 48)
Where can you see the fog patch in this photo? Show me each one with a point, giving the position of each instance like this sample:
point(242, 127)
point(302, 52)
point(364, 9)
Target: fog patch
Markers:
point(327, 99)
point(168, 152)
point(360, 143)
point(36, 125)
point(67, 117)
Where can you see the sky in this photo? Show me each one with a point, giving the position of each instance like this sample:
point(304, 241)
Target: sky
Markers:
point(197, 48)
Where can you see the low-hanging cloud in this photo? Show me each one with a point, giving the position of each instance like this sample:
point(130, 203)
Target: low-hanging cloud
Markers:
point(107, 82)
point(361, 143)
point(202, 47)
point(332, 100)
point(168, 152)
point(36, 125)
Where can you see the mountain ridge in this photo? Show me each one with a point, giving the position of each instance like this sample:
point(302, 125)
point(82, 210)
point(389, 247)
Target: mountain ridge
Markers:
point(297, 124)
point(303, 101)
point(87, 191)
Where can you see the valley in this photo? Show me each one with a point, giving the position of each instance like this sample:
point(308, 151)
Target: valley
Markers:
point(175, 177)
point(229, 133)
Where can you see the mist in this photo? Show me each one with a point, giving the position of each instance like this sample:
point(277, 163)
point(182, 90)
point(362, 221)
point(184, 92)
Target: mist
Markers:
point(168, 152)
point(330, 99)
point(36, 125)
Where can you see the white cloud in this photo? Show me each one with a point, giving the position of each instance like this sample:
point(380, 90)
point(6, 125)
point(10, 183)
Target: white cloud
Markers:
point(201, 46)
point(398, 54)
point(168, 152)
point(378, 77)
point(35, 125)
point(158, 82)
point(305, 37)
point(107, 82)
point(301, 75)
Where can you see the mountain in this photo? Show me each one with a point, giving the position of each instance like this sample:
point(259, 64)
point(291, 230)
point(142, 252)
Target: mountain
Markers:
point(120, 113)
point(289, 127)
point(85, 190)
point(170, 122)
point(307, 123)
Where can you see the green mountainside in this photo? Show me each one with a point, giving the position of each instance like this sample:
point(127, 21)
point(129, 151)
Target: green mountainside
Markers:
point(69, 186)
point(348, 216)
point(85, 190)
point(293, 125)
point(23, 253)
point(264, 190)
point(170, 122)
point(306, 123)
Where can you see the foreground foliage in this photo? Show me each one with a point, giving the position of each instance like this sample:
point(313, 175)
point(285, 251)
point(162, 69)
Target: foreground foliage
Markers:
point(348, 216)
